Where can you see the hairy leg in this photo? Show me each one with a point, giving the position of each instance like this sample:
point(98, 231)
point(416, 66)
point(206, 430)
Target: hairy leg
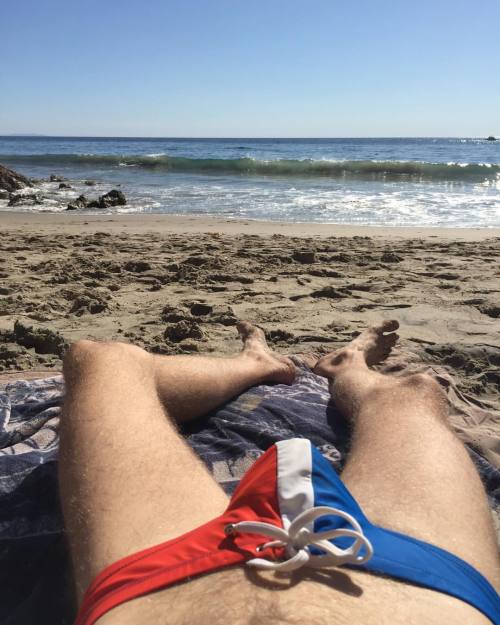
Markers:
point(127, 479)
point(190, 386)
point(406, 468)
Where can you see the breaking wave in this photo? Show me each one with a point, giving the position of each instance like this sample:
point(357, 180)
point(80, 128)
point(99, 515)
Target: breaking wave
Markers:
point(367, 169)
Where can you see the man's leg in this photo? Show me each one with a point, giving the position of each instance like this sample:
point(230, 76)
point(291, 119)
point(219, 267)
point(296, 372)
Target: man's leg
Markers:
point(128, 480)
point(407, 469)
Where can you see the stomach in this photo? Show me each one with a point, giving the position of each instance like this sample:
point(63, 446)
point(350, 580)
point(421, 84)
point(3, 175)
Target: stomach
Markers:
point(245, 596)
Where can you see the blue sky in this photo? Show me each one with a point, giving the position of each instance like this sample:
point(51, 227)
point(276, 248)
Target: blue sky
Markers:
point(265, 68)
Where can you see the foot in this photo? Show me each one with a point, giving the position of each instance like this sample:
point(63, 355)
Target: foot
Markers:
point(369, 348)
point(275, 367)
point(309, 359)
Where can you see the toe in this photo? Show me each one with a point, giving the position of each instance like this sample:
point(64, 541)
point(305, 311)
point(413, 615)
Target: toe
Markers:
point(252, 336)
point(391, 339)
point(244, 328)
point(387, 326)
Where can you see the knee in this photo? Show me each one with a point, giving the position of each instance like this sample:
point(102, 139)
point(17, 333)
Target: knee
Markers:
point(77, 358)
point(79, 352)
point(85, 355)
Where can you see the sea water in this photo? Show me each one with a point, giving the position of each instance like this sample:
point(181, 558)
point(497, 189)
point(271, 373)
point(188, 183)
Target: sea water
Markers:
point(390, 182)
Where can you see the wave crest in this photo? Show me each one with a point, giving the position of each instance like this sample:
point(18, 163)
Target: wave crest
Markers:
point(390, 170)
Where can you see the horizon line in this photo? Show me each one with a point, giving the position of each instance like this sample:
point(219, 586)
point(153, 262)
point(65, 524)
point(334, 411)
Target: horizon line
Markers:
point(226, 138)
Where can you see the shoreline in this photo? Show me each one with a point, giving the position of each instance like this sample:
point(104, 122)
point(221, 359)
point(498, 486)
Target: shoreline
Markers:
point(183, 224)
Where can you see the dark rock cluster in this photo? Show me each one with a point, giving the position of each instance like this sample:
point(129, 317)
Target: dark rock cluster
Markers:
point(31, 198)
point(108, 200)
point(12, 181)
point(13, 188)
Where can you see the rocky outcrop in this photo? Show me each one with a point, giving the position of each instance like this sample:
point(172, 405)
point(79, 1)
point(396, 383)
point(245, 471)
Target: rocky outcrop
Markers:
point(12, 181)
point(491, 138)
point(108, 200)
point(80, 202)
point(25, 199)
point(113, 198)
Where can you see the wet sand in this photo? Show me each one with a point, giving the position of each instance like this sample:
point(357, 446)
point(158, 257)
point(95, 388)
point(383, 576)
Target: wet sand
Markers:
point(179, 284)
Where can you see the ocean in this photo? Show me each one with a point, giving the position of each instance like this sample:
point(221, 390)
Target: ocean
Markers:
point(391, 182)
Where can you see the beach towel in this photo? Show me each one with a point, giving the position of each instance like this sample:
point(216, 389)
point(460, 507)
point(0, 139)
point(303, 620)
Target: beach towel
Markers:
point(35, 587)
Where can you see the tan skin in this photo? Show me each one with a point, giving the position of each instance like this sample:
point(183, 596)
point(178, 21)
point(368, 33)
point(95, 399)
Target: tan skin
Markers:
point(129, 487)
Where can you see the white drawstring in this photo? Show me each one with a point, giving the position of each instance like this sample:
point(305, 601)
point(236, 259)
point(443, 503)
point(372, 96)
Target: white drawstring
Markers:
point(298, 538)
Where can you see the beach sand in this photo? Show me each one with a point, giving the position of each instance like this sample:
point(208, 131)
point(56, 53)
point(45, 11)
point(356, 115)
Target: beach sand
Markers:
point(179, 284)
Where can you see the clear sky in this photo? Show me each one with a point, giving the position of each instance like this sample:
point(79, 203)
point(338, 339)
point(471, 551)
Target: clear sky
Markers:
point(258, 68)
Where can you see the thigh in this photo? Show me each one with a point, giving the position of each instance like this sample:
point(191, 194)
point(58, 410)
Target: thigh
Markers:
point(128, 480)
point(410, 473)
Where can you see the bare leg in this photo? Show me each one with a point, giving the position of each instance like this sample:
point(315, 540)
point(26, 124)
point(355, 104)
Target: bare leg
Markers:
point(190, 386)
point(128, 481)
point(406, 468)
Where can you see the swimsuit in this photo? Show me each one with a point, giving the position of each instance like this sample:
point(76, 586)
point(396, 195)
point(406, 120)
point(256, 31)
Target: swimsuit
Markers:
point(290, 509)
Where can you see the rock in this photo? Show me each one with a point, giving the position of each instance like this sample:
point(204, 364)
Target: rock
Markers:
point(80, 202)
point(183, 330)
point(43, 340)
point(113, 198)
point(12, 181)
point(30, 198)
point(306, 257)
point(4, 195)
point(137, 266)
point(64, 185)
point(491, 138)
point(54, 178)
point(200, 309)
point(90, 183)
